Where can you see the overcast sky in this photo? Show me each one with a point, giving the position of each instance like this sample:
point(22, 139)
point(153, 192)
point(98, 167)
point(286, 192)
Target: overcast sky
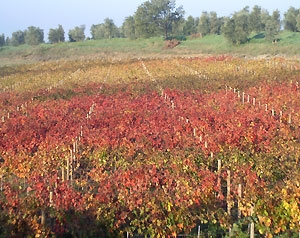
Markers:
point(19, 14)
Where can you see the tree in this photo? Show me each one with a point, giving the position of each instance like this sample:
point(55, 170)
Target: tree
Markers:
point(236, 29)
point(77, 34)
point(290, 22)
point(17, 38)
point(209, 23)
point(144, 25)
point(97, 31)
point(298, 22)
point(167, 15)
point(273, 26)
point(255, 20)
point(190, 26)
point(215, 23)
point(110, 29)
point(56, 35)
point(229, 30)
point(271, 30)
point(128, 28)
point(7, 41)
point(34, 35)
point(2, 40)
point(106, 30)
point(265, 16)
point(204, 24)
point(157, 17)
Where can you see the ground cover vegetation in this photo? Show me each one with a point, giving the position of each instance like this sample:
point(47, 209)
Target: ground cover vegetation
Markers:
point(159, 147)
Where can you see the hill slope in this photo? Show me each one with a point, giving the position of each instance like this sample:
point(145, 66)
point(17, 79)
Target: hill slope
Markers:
point(288, 45)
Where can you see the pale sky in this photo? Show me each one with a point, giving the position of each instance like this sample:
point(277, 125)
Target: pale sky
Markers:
point(19, 14)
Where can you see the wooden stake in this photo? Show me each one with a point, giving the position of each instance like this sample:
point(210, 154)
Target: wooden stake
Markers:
point(239, 202)
point(219, 176)
point(51, 198)
point(219, 165)
point(228, 193)
point(243, 97)
point(68, 168)
point(280, 116)
point(71, 167)
point(290, 118)
point(81, 132)
point(205, 144)
point(252, 223)
point(63, 173)
point(172, 105)
point(43, 217)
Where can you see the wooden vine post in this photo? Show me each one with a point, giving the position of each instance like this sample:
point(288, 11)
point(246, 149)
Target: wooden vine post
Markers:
point(219, 177)
point(228, 193)
point(280, 116)
point(252, 223)
point(63, 173)
point(68, 168)
point(228, 197)
point(43, 217)
point(71, 165)
point(290, 118)
point(199, 231)
point(51, 198)
point(239, 201)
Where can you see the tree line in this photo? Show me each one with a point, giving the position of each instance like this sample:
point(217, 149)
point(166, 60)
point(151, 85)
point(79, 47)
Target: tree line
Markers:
point(163, 18)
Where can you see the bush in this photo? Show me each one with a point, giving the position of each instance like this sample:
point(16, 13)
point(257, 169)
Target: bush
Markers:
point(170, 44)
point(179, 38)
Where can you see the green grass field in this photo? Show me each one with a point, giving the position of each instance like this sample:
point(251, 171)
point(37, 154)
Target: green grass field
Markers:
point(288, 46)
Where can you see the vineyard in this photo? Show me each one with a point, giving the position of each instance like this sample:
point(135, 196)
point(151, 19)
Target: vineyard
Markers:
point(206, 147)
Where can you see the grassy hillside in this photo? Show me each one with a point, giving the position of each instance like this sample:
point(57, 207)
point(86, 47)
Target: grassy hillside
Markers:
point(288, 45)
